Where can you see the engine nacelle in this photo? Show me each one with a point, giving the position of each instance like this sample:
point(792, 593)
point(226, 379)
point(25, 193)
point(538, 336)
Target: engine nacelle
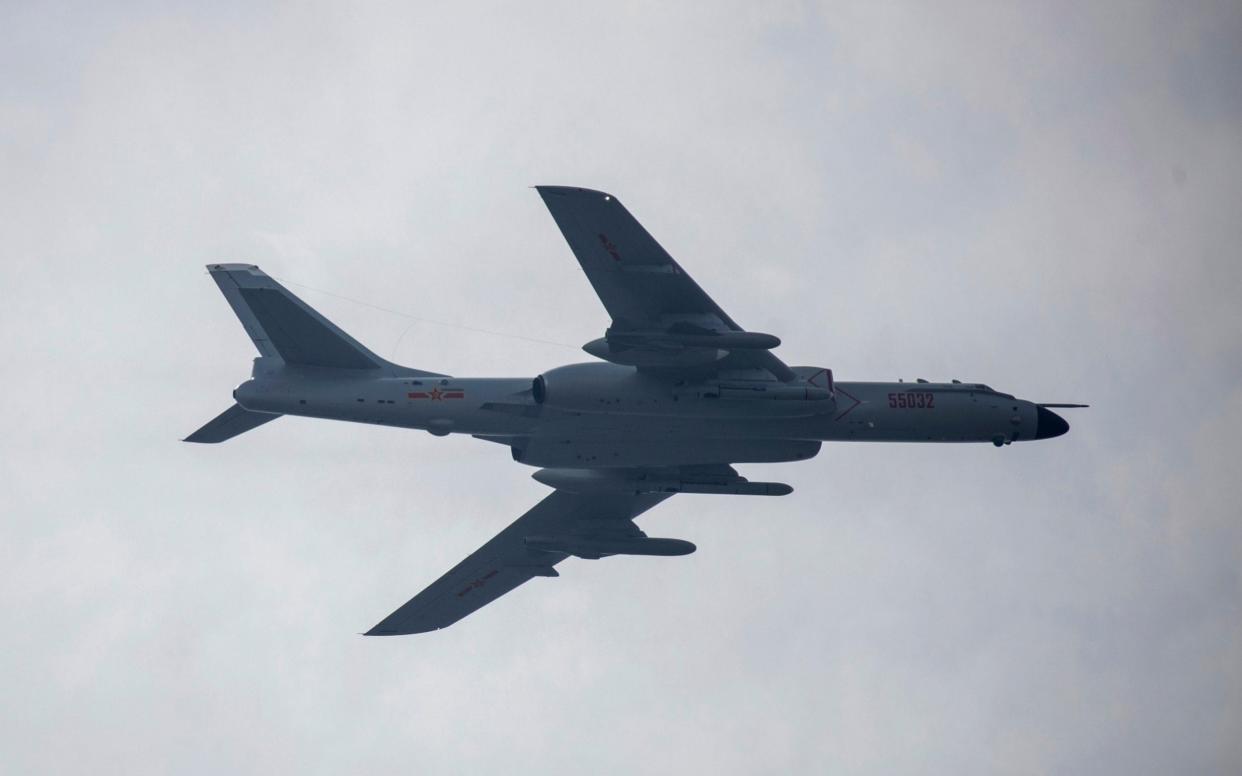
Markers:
point(601, 388)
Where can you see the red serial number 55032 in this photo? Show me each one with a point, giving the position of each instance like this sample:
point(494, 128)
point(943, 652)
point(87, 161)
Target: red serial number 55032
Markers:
point(912, 400)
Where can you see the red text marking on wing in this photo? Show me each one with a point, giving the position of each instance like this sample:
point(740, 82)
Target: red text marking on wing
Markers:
point(480, 582)
point(608, 246)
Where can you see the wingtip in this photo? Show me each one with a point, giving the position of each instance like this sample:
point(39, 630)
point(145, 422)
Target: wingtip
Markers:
point(378, 631)
point(235, 267)
point(565, 191)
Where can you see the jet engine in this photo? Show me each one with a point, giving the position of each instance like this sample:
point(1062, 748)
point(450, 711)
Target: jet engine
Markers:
point(600, 388)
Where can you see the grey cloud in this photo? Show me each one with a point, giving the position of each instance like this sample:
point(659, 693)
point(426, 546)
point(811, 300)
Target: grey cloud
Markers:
point(1043, 198)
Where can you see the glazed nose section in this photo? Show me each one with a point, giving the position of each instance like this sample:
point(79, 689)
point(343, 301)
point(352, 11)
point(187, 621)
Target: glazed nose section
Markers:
point(1049, 424)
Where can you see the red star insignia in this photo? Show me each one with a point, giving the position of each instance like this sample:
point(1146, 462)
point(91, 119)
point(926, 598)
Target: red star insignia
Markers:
point(435, 393)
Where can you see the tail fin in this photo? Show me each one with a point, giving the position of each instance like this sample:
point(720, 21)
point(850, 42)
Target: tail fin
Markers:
point(228, 424)
point(285, 327)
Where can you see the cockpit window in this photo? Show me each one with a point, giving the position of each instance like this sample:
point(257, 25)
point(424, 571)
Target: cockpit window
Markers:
point(988, 389)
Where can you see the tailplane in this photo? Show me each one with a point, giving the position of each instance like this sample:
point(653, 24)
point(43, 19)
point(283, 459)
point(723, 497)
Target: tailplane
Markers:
point(287, 332)
point(228, 424)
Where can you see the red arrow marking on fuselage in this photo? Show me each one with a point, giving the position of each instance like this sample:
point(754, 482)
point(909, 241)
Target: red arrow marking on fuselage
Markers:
point(851, 407)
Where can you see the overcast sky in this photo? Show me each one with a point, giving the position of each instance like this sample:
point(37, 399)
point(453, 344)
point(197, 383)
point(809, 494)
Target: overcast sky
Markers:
point(1040, 197)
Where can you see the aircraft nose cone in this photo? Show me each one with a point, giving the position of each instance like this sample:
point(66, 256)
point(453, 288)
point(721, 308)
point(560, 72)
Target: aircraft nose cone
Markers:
point(1049, 424)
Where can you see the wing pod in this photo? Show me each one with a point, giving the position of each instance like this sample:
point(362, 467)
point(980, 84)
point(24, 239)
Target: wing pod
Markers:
point(685, 347)
point(729, 340)
point(651, 356)
point(594, 548)
point(606, 481)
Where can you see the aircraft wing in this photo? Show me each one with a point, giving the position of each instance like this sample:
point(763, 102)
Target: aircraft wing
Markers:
point(661, 319)
point(562, 523)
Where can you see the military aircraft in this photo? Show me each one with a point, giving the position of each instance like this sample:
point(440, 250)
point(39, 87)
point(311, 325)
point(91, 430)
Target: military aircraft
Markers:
point(680, 393)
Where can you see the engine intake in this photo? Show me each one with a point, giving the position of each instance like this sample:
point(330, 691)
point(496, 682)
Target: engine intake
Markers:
point(599, 388)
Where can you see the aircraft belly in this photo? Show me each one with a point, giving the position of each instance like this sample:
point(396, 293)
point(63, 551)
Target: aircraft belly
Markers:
point(665, 428)
point(553, 451)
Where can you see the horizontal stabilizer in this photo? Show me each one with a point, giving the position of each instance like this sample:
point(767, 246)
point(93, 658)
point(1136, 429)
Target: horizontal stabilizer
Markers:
point(229, 424)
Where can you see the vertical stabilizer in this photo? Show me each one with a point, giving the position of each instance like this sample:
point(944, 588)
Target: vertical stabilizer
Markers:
point(284, 326)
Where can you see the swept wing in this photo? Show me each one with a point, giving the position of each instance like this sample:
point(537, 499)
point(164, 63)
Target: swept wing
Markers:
point(661, 319)
point(564, 523)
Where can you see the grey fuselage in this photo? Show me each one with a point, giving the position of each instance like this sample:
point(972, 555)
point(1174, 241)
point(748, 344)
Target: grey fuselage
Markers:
point(599, 415)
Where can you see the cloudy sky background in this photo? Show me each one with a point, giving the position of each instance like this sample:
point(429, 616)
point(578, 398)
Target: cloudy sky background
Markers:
point(1041, 197)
